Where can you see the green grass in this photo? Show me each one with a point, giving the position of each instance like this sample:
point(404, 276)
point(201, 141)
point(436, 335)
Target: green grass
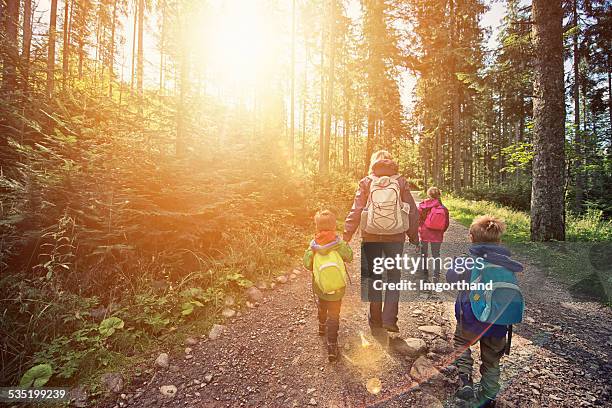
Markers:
point(569, 262)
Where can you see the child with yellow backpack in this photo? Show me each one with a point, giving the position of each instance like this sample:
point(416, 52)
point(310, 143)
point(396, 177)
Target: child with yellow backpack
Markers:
point(325, 257)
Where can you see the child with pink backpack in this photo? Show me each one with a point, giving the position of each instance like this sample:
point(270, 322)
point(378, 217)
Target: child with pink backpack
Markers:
point(433, 222)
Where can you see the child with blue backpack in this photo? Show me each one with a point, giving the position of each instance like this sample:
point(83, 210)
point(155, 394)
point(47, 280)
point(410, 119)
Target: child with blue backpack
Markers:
point(486, 315)
point(325, 257)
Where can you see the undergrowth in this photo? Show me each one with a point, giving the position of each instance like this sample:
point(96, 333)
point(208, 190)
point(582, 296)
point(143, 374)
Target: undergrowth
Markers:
point(114, 247)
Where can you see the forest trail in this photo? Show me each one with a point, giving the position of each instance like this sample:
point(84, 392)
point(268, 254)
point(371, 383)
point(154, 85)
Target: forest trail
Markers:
point(271, 355)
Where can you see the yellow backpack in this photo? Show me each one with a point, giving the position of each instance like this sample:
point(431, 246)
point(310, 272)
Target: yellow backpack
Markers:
point(329, 272)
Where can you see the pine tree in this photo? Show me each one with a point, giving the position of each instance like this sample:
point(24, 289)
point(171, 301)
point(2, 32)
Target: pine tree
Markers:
point(547, 196)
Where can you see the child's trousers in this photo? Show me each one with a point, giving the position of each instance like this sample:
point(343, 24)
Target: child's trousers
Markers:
point(435, 253)
point(491, 351)
point(329, 315)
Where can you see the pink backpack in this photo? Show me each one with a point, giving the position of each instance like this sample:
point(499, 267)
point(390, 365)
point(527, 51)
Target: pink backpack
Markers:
point(436, 218)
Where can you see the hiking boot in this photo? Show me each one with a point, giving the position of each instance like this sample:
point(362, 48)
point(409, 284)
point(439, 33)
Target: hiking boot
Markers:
point(332, 352)
point(466, 387)
point(322, 329)
point(391, 327)
point(374, 324)
point(483, 401)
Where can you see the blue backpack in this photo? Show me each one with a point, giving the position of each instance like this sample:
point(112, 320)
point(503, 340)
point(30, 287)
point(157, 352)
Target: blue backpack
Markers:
point(504, 303)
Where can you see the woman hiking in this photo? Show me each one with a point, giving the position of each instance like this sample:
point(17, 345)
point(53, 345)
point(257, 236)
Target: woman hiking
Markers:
point(386, 212)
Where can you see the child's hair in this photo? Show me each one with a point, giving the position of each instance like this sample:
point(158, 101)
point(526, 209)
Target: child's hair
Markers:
point(487, 228)
point(379, 155)
point(325, 220)
point(434, 192)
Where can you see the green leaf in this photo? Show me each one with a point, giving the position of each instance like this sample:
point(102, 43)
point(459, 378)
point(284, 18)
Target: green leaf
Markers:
point(36, 376)
point(108, 326)
point(187, 308)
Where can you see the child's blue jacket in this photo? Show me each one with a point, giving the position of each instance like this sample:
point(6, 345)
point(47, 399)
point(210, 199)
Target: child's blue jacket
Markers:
point(492, 253)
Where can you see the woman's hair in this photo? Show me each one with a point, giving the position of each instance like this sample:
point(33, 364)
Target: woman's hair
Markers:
point(434, 192)
point(487, 228)
point(325, 220)
point(379, 155)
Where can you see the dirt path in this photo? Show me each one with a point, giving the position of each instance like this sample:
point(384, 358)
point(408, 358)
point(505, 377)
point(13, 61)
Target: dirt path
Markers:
point(271, 356)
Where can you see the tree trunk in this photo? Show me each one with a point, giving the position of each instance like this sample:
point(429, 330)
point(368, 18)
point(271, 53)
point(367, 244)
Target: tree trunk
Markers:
point(27, 42)
point(66, 45)
point(11, 23)
point(304, 105)
point(610, 102)
point(140, 57)
point(181, 132)
point(51, 51)
point(579, 191)
point(324, 165)
point(322, 101)
point(292, 135)
point(370, 138)
point(111, 59)
point(161, 48)
point(132, 79)
point(547, 194)
point(456, 102)
point(345, 138)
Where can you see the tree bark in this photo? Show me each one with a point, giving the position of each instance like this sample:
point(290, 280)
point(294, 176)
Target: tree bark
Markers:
point(547, 194)
point(51, 49)
point(161, 48)
point(140, 57)
point(66, 45)
point(324, 165)
point(181, 130)
point(292, 135)
point(27, 42)
point(579, 189)
point(135, 25)
point(304, 105)
point(322, 101)
point(11, 23)
point(111, 59)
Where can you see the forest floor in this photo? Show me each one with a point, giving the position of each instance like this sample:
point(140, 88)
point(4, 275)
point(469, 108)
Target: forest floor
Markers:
point(271, 356)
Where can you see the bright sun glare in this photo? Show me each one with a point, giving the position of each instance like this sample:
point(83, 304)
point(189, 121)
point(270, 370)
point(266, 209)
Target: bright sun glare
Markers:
point(237, 38)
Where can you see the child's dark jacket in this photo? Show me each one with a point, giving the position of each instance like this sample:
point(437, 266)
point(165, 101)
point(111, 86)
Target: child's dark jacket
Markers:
point(495, 254)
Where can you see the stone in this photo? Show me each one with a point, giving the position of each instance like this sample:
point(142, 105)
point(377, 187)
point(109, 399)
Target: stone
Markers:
point(440, 346)
point(429, 401)
point(191, 341)
point(79, 396)
point(253, 294)
point(312, 402)
point(216, 331)
point(410, 347)
point(281, 279)
point(228, 312)
point(437, 330)
point(163, 360)
point(112, 382)
point(423, 369)
point(168, 390)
